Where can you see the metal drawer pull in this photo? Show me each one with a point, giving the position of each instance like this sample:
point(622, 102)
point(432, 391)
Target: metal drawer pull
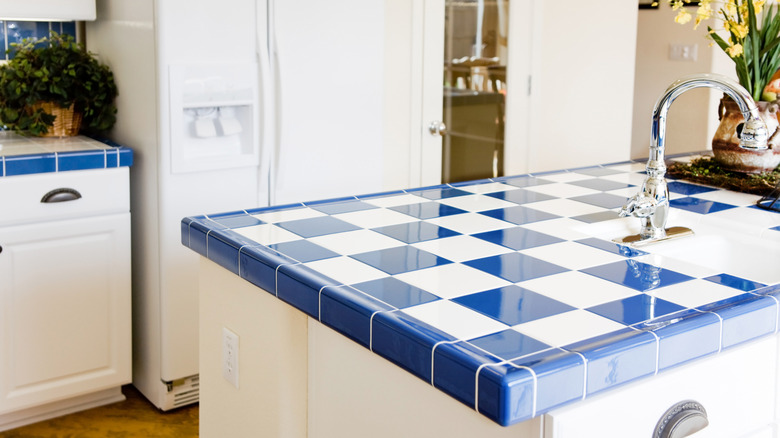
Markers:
point(681, 420)
point(61, 195)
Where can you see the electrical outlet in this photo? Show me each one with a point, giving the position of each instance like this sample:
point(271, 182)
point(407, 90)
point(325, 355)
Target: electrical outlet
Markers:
point(683, 52)
point(230, 356)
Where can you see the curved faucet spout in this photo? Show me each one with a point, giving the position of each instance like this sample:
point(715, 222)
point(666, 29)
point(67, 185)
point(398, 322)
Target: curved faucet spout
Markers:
point(654, 194)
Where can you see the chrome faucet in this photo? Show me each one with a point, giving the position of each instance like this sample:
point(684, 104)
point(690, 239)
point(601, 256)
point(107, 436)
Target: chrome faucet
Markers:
point(651, 204)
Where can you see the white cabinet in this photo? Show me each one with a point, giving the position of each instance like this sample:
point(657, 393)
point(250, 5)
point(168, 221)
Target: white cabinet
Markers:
point(65, 329)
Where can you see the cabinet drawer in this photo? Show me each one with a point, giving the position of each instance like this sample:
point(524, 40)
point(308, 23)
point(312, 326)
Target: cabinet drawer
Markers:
point(100, 191)
point(735, 387)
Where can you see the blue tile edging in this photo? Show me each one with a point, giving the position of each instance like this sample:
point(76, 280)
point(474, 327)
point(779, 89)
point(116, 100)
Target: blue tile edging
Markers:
point(506, 391)
point(116, 156)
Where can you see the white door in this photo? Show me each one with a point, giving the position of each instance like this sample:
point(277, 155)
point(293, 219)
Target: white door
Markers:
point(64, 309)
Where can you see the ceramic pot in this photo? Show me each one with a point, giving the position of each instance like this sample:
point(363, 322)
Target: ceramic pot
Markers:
point(725, 143)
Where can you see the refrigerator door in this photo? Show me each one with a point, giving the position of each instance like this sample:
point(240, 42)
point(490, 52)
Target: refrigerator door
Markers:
point(329, 106)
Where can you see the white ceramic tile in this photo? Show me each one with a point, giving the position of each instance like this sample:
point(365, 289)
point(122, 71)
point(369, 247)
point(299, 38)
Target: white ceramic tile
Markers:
point(346, 270)
point(678, 265)
point(288, 215)
point(750, 218)
point(462, 248)
point(459, 321)
point(629, 167)
point(470, 223)
point(566, 207)
point(10, 150)
point(267, 234)
point(557, 330)
point(626, 192)
point(628, 178)
point(695, 293)
point(578, 289)
point(377, 217)
point(729, 197)
point(564, 177)
point(560, 190)
point(452, 280)
point(572, 255)
point(395, 200)
point(487, 188)
point(563, 228)
point(476, 202)
point(356, 242)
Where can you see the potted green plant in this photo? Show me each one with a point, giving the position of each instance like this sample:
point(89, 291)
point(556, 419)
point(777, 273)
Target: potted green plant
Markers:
point(49, 79)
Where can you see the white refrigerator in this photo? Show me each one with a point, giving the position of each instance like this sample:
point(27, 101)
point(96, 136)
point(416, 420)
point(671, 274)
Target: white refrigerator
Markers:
point(235, 104)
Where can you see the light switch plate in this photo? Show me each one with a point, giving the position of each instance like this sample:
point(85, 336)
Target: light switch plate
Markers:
point(230, 356)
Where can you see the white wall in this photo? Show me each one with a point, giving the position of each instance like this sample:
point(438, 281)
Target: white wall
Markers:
point(693, 116)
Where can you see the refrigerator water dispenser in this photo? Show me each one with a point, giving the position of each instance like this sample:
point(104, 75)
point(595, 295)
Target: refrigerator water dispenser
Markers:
point(214, 116)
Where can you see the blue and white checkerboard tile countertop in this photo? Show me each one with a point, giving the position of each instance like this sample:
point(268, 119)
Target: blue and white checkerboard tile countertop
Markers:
point(20, 155)
point(490, 291)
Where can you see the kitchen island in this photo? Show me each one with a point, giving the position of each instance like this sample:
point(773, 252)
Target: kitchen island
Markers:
point(356, 316)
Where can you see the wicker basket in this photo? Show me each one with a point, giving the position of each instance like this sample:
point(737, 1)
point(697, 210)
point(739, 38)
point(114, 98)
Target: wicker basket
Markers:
point(67, 122)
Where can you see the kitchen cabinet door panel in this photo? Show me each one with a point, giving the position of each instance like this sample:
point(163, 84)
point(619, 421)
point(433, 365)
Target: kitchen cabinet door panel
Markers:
point(64, 298)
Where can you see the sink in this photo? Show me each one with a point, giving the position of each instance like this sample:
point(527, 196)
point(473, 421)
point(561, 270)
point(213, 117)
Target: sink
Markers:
point(718, 248)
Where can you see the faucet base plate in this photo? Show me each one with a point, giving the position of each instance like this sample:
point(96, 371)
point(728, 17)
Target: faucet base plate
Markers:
point(636, 240)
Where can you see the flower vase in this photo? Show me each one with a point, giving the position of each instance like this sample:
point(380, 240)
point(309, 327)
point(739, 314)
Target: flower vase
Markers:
point(725, 143)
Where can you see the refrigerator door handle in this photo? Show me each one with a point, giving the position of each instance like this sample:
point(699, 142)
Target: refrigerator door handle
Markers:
point(267, 107)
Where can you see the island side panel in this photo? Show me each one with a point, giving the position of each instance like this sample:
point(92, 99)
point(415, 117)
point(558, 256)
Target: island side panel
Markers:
point(272, 395)
point(354, 393)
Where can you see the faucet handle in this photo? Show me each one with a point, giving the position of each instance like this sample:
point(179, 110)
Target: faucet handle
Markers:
point(639, 205)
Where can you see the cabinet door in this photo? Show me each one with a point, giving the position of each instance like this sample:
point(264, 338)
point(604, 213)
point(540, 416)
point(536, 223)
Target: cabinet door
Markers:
point(64, 309)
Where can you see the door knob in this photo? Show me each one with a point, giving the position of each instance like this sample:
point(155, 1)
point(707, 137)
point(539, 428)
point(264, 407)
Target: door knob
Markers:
point(437, 127)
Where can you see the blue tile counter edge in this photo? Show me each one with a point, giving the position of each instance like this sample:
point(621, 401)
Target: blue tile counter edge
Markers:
point(48, 162)
point(505, 386)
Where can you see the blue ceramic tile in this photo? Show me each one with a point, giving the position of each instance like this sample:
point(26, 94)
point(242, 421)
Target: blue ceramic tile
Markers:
point(635, 309)
point(603, 185)
point(687, 188)
point(407, 342)
point(506, 394)
point(441, 193)
point(221, 250)
point(518, 238)
point(600, 216)
point(513, 304)
point(612, 247)
point(596, 171)
point(697, 205)
point(746, 318)
point(125, 157)
point(258, 266)
point(519, 215)
point(427, 210)
point(470, 183)
point(560, 378)
point(777, 228)
point(735, 282)
point(343, 207)
point(275, 208)
point(395, 292)
point(694, 336)
point(300, 286)
point(509, 344)
point(30, 164)
point(77, 161)
point(317, 226)
point(400, 259)
point(605, 200)
point(455, 369)
point(414, 232)
point(303, 251)
point(521, 196)
point(637, 275)
point(524, 181)
point(349, 312)
point(617, 358)
point(515, 267)
point(237, 220)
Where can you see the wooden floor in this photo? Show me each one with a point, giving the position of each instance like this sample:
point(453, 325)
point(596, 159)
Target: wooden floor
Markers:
point(134, 417)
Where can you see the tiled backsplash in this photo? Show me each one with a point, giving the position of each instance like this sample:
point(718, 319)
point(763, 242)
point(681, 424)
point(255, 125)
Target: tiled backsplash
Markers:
point(16, 31)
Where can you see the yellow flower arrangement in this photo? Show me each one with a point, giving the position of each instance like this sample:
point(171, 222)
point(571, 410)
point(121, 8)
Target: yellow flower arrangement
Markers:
point(755, 50)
